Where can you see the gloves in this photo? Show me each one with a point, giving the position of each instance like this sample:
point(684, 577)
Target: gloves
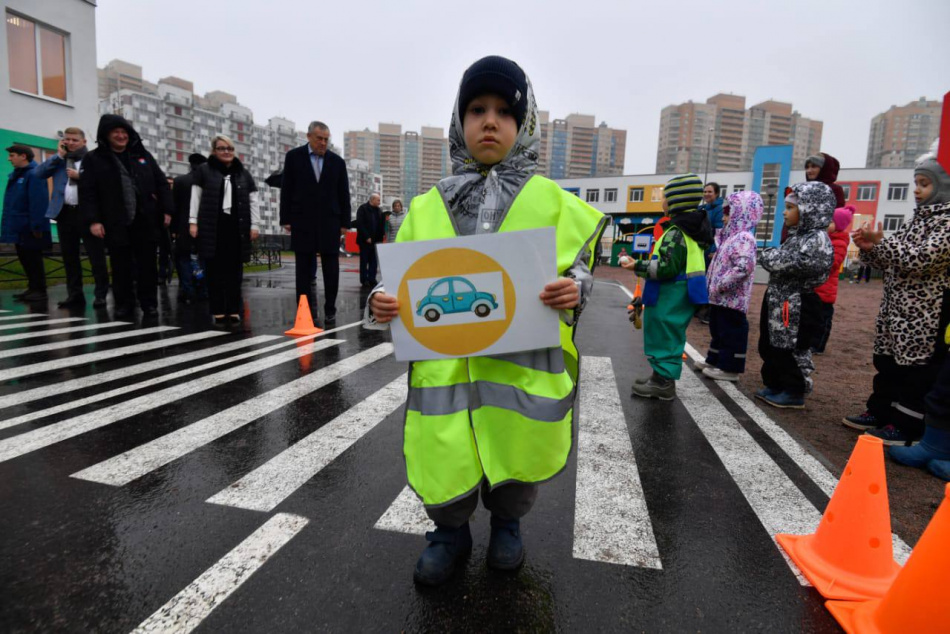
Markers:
point(635, 312)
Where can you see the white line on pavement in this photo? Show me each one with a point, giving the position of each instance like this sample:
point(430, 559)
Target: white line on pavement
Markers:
point(825, 480)
point(62, 331)
point(611, 519)
point(406, 514)
point(271, 483)
point(48, 322)
point(135, 463)
point(72, 343)
point(20, 371)
point(57, 432)
point(23, 316)
point(187, 609)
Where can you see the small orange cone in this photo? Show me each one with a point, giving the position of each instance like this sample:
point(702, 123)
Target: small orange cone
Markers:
point(850, 556)
point(304, 323)
point(919, 600)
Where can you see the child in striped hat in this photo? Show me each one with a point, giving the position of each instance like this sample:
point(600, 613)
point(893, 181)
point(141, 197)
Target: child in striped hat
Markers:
point(675, 285)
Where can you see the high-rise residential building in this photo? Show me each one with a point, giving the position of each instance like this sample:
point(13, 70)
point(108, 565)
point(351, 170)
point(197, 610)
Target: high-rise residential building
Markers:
point(121, 75)
point(410, 162)
point(722, 134)
point(174, 122)
point(903, 133)
point(576, 147)
point(363, 182)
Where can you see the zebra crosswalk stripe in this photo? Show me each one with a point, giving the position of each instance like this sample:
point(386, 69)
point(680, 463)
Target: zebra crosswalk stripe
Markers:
point(137, 462)
point(85, 341)
point(64, 430)
point(23, 316)
point(64, 387)
point(48, 322)
point(63, 331)
point(271, 483)
point(406, 514)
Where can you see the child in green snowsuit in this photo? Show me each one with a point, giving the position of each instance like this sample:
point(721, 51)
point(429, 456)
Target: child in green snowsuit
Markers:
point(675, 285)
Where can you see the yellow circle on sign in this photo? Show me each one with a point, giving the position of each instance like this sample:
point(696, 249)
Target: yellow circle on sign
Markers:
point(457, 339)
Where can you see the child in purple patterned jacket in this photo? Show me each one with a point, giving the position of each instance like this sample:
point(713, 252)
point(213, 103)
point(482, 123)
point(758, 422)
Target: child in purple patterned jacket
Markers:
point(729, 281)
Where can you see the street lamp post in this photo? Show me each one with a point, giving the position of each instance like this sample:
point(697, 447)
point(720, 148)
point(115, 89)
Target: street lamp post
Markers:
point(708, 144)
point(770, 190)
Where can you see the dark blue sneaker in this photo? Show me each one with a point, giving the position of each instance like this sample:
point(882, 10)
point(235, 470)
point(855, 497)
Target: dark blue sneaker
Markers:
point(785, 400)
point(765, 393)
point(447, 548)
point(893, 436)
point(505, 550)
point(862, 422)
point(940, 468)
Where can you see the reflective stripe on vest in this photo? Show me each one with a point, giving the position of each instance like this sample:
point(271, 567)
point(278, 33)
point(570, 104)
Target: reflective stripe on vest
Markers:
point(694, 276)
point(502, 417)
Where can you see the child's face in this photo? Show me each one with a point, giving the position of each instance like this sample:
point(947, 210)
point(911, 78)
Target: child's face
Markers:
point(791, 215)
point(923, 188)
point(831, 227)
point(489, 128)
point(811, 171)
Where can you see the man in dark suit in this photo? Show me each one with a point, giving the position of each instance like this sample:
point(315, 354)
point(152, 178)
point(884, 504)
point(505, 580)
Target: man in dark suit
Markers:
point(315, 210)
point(369, 232)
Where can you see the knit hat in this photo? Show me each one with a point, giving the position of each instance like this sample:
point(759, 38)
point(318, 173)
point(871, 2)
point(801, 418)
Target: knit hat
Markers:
point(497, 76)
point(683, 193)
point(928, 166)
point(816, 159)
point(843, 216)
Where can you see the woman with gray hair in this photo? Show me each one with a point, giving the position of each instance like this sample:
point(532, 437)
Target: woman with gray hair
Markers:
point(224, 218)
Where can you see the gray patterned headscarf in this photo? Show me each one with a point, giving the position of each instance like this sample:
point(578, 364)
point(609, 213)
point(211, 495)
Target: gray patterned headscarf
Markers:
point(478, 196)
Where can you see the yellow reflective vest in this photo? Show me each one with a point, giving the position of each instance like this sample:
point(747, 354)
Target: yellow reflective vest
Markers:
point(694, 276)
point(506, 417)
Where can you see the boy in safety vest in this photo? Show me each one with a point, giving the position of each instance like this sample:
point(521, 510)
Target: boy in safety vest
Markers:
point(496, 425)
point(675, 285)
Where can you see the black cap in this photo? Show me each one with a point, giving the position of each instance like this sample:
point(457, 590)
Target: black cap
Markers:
point(197, 159)
point(17, 148)
point(497, 76)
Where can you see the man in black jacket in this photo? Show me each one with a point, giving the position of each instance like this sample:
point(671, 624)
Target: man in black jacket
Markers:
point(315, 210)
point(125, 199)
point(370, 230)
point(184, 244)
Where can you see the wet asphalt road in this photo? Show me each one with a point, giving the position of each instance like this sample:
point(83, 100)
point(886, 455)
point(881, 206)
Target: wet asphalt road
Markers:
point(149, 549)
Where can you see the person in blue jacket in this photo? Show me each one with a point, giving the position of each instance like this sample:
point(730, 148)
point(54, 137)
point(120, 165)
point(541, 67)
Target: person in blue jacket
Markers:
point(712, 207)
point(24, 221)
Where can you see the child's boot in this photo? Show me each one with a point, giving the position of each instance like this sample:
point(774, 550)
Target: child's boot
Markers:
point(447, 548)
point(505, 550)
point(935, 445)
point(940, 468)
point(786, 400)
point(656, 387)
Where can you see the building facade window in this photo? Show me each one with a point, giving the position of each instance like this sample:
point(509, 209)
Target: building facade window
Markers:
point(867, 192)
point(847, 192)
point(37, 58)
point(610, 195)
point(737, 188)
point(893, 223)
point(593, 195)
point(636, 195)
point(897, 191)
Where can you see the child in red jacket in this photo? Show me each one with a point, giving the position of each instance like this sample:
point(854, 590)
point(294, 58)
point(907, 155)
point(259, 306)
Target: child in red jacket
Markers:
point(828, 292)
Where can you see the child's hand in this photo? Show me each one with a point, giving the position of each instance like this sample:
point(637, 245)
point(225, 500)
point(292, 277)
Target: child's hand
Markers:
point(627, 263)
point(384, 307)
point(865, 239)
point(560, 294)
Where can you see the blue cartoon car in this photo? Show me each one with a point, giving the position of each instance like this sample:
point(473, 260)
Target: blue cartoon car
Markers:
point(454, 295)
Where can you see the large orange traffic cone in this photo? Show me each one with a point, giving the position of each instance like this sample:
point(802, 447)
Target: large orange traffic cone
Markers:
point(919, 600)
point(850, 556)
point(304, 323)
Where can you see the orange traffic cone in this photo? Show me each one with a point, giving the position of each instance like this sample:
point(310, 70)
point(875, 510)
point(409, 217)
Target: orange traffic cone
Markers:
point(850, 556)
point(304, 323)
point(919, 600)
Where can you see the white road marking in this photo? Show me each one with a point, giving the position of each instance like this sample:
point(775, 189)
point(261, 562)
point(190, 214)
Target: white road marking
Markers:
point(57, 432)
point(61, 331)
point(72, 343)
point(407, 514)
point(611, 519)
point(55, 389)
point(20, 371)
point(815, 470)
point(48, 322)
point(23, 316)
point(135, 463)
point(187, 609)
point(271, 483)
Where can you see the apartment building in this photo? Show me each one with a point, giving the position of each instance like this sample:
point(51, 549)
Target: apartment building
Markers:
point(903, 133)
point(576, 147)
point(363, 182)
point(722, 134)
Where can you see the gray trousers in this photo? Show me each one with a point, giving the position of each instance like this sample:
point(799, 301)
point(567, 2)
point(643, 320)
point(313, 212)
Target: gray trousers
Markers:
point(509, 501)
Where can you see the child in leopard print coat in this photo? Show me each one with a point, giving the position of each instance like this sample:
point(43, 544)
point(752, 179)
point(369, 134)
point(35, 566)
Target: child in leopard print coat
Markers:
point(916, 265)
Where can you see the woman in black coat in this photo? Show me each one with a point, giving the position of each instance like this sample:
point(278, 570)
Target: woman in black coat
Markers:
point(224, 219)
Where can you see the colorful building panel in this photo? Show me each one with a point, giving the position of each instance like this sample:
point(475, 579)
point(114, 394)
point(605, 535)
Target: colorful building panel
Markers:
point(645, 199)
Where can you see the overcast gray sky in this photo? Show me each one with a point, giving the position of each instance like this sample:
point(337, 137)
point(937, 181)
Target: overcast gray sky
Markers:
point(354, 64)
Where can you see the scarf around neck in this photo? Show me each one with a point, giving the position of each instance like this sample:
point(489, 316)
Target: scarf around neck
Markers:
point(478, 196)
